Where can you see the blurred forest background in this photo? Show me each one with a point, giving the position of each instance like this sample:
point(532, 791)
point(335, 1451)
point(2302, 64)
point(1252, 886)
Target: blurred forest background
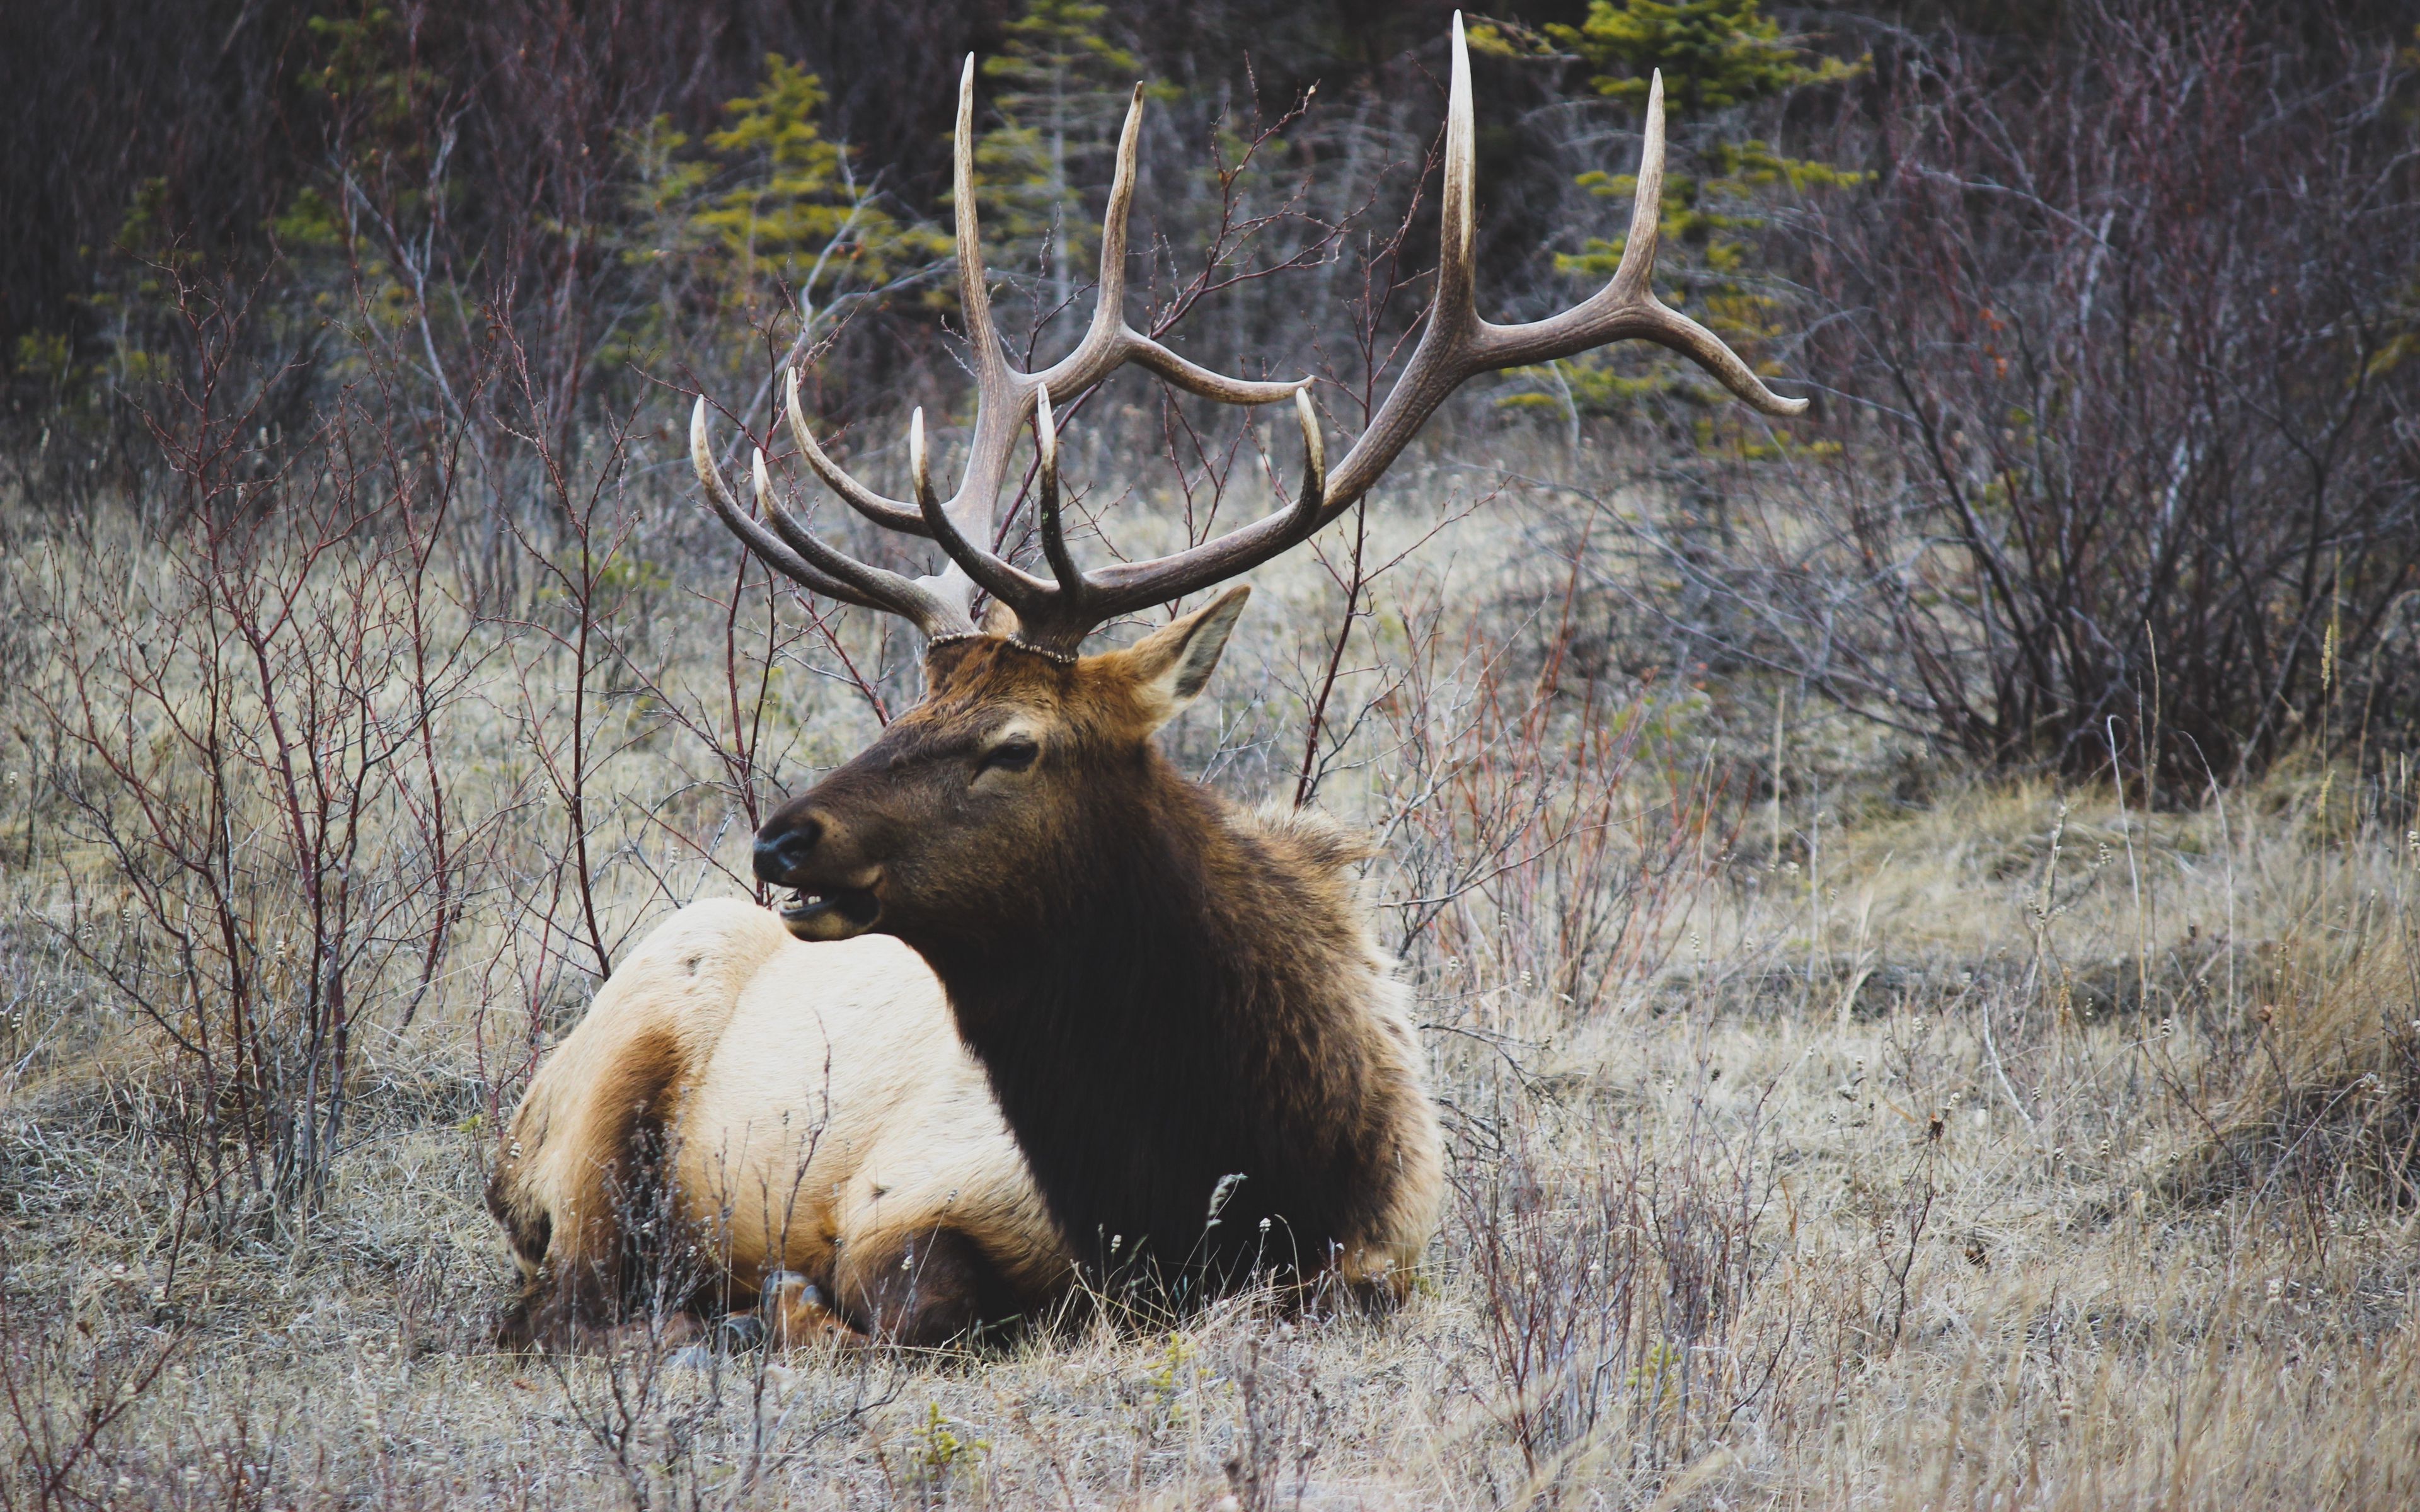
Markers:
point(1910, 909)
point(2109, 305)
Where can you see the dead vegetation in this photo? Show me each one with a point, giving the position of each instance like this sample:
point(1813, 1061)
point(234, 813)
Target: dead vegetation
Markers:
point(2020, 1147)
point(1833, 1123)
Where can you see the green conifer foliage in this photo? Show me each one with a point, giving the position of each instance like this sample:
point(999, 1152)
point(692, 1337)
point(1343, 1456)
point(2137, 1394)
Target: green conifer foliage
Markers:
point(791, 209)
point(1062, 90)
point(1716, 56)
point(771, 211)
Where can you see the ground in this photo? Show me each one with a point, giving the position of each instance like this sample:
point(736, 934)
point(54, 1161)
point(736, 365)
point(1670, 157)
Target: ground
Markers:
point(1831, 1123)
point(1892, 1186)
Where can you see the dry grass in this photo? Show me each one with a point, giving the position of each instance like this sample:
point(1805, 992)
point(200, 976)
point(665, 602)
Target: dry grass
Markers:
point(2019, 1150)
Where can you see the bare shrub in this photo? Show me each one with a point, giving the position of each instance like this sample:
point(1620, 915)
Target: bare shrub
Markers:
point(1616, 1284)
point(245, 713)
point(68, 1399)
point(1533, 849)
point(2325, 1112)
point(1283, 1419)
point(2120, 332)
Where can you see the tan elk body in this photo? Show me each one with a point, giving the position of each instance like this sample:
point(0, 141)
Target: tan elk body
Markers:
point(786, 1107)
point(1177, 1005)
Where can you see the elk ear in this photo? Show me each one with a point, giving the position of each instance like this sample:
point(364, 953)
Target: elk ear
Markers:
point(1172, 665)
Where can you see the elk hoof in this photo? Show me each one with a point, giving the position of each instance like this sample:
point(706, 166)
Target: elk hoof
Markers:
point(794, 1313)
point(739, 1332)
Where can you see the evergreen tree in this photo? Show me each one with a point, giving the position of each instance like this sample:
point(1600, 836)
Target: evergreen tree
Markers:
point(771, 210)
point(790, 210)
point(1063, 88)
point(1717, 57)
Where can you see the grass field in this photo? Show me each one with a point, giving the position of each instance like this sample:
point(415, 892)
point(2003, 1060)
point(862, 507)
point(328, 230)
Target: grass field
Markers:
point(1855, 1139)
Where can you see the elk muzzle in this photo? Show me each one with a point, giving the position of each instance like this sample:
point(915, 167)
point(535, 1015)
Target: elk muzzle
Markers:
point(834, 891)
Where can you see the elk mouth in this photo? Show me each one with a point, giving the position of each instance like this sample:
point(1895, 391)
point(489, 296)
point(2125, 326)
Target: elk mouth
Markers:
point(840, 914)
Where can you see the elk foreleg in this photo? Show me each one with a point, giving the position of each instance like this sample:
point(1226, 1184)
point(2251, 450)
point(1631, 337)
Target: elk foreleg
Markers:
point(920, 1288)
point(795, 1313)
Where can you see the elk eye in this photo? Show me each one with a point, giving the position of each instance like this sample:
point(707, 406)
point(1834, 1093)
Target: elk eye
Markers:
point(1014, 754)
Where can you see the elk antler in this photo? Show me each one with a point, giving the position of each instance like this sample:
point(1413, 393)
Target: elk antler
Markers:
point(1055, 614)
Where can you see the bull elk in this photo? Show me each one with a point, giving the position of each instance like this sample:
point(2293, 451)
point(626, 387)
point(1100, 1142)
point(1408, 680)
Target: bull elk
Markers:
point(1178, 1005)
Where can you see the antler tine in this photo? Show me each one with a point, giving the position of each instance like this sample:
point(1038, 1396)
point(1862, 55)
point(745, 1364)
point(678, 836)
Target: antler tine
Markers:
point(1314, 493)
point(914, 599)
point(1110, 294)
point(1054, 538)
point(888, 513)
point(1457, 220)
point(1646, 203)
point(1108, 341)
point(756, 536)
point(964, 525)
point(973, 293)
point(804, 558)
point(1194, 378)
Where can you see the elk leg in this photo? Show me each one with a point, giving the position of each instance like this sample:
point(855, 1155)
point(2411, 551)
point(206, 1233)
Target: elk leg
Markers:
point(920, 1288)
point(544, 1321)
point(641, 1334)
point(796, 1314)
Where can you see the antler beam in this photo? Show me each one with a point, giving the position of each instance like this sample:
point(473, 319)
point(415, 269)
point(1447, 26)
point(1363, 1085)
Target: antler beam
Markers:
point(1055, 613)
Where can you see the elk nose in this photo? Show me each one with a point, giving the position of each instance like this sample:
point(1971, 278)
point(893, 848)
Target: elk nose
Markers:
point(784, 850)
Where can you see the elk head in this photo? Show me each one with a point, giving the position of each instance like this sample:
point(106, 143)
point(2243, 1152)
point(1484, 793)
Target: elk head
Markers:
point(1022, 747)
point(989, 797)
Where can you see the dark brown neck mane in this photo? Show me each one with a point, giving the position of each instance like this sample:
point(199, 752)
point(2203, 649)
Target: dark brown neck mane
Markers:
point(1192, 1025)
